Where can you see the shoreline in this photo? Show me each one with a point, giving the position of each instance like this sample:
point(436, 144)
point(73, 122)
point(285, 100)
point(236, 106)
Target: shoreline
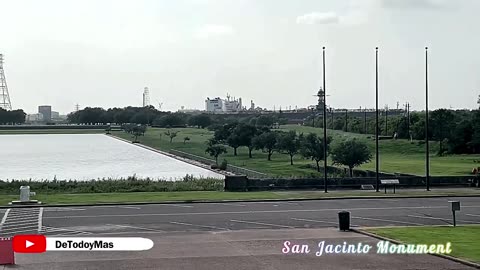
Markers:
point(185, 160)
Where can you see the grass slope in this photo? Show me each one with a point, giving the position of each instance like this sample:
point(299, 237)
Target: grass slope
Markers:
point(465, 239)
point(395, 155)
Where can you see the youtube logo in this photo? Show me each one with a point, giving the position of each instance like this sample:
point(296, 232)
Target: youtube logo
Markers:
point(32, 243)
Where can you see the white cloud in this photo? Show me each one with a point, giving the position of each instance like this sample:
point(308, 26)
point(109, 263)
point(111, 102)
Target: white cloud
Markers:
point(318, 18)
point(213, 30)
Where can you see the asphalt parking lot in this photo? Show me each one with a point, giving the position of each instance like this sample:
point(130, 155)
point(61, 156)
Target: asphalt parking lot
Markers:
point(241, 235)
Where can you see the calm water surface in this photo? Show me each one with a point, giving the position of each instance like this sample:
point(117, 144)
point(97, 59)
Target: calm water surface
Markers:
point(84, 157)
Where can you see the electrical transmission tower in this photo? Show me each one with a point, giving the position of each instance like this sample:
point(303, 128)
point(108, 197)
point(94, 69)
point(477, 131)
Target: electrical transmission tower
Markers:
point(146, 97)
point(4, 96)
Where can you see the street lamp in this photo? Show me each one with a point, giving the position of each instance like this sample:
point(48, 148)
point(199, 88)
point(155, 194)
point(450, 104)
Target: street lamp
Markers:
point(427, 147)
point(324, 127)
point(377, 182)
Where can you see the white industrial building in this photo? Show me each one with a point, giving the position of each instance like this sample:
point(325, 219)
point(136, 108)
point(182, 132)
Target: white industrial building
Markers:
point(218, 105)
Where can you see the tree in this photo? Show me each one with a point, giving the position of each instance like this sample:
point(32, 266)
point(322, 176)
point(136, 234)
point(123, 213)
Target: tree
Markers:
point(312, 148)
point(266, 142)
point(234, 141)
point(216, 150)
point(137, 130)
point(201, 120)
point(265, 121)
point(351, 153)
point(245, 133)
point(288, 143)
point(442, 125)
point(171, 134)
point(186, 139)
point(171, 120)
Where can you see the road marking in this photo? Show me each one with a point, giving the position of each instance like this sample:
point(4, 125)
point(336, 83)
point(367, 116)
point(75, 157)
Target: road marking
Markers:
point(317, 221)
point(201, 226)
point(472, 215)
point(40, 219)
point(53, 229)
point(257, 212)
point(389, 220)
point(22, 231)
point(443, 219)
point(4, 218)
point(261, 223)
point(135, 227)
point(21, 227)
point(20, 218)
point(179, 205)
point(63, 209)
point(130, 207)
point(230, 204)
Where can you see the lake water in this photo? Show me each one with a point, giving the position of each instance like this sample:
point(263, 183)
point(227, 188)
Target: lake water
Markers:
point(85, 157)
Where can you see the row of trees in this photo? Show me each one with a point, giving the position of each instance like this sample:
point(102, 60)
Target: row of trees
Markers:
point(457, 131)
point(351, 153)
point(12, 117)
point(151, 116)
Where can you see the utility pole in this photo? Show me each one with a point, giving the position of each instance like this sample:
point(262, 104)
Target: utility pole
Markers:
point(386, 120)
point(4, 96)
point(346, 120)
point(325, 175)
point(408, 121)
point(331, 114)
point(376, 123)
point(427, 147)
point(365, 120)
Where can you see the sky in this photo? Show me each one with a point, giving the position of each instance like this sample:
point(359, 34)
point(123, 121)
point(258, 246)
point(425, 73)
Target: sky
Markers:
point(104, 52)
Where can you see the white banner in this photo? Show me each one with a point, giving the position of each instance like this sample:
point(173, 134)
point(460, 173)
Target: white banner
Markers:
point(98, 244)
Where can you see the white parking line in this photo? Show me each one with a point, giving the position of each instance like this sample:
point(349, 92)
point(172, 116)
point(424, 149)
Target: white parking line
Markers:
point(62, 209)
point(178, 205)
point(135, 227)
point(261, 223)
point(316, 221)
point(53, 229)
point(34, 228)
point(40, 220)
point(201, 226)
point(389, 220)
point(258, 212)
point(472, 215)
point(4, 217)
point(19, 218)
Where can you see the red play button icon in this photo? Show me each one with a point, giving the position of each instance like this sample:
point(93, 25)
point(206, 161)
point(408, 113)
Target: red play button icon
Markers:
point(31, 243)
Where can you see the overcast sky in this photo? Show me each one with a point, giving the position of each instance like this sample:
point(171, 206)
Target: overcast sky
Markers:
point(104, 52)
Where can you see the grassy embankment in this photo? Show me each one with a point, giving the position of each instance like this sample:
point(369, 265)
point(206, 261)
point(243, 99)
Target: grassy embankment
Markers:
point(464, 239)
point(158, 197)
point(395, 155)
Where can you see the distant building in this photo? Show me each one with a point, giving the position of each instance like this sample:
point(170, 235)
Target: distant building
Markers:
point(214, 105)
point(46, 111)
point(218, 105)
point(55, 115)
point(35, 117)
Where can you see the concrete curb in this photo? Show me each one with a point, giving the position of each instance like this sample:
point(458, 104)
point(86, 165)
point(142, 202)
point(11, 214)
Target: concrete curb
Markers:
point(448, 257)
point(238, 201)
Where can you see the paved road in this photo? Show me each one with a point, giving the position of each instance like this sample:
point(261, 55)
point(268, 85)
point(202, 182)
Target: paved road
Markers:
point(247, 235)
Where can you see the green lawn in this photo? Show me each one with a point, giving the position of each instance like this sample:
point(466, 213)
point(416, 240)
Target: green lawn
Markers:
point(465, 239)
point(129, 197)
point(395, 155)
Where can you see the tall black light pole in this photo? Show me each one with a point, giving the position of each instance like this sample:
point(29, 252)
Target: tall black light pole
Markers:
point(427, 147)
point(324, 127)
point(377, 183)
